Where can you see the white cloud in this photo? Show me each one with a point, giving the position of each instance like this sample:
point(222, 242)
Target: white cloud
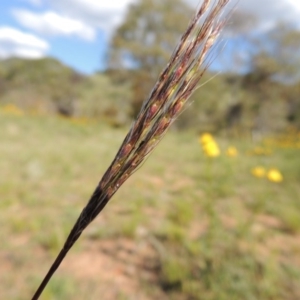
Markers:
point(76, 17)
point(50, 23)
point(268, 12)
point(17, 43)
point(84, 17)
point(107, 14)
point(102, 14)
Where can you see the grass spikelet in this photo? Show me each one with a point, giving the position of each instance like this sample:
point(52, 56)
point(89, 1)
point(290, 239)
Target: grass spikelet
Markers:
point(167, 99)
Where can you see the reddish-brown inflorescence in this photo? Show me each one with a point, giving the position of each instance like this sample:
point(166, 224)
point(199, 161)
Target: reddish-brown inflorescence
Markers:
point(166, 101)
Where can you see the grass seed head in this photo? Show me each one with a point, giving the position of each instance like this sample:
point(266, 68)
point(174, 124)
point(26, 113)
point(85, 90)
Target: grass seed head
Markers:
point(169, 96)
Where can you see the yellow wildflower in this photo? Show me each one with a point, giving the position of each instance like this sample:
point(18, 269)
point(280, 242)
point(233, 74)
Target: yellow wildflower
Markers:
point(261, 151)
point(258, 172)
point(206, 138)
point(211, 149)
point(12, 110)
point(231, 151)
point(274, 175)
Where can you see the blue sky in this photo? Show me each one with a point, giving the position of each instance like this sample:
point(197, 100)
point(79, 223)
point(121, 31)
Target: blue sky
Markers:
point(77, 32)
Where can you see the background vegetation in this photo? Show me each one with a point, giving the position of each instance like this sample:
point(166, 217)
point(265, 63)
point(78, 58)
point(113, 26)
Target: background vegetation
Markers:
point(185, 226)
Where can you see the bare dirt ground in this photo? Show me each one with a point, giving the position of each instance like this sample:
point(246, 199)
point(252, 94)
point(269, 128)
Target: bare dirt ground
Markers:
point(128, 268)
point(122, 266)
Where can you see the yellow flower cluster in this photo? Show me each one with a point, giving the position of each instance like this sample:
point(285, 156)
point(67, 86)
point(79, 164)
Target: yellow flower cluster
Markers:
point(273, 174)
point(258, 172)
point(79, 121)
point(209, 145)
point(261, 151)
point(12, 109)
point(290, 139)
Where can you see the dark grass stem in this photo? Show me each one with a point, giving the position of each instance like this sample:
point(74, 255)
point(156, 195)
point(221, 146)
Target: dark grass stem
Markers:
point(166, 101)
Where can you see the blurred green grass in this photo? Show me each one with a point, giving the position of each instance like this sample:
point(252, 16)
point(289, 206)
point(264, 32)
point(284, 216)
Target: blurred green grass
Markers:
point(216, 231)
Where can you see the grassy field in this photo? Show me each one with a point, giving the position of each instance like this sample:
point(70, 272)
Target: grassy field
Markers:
point(185, 226)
